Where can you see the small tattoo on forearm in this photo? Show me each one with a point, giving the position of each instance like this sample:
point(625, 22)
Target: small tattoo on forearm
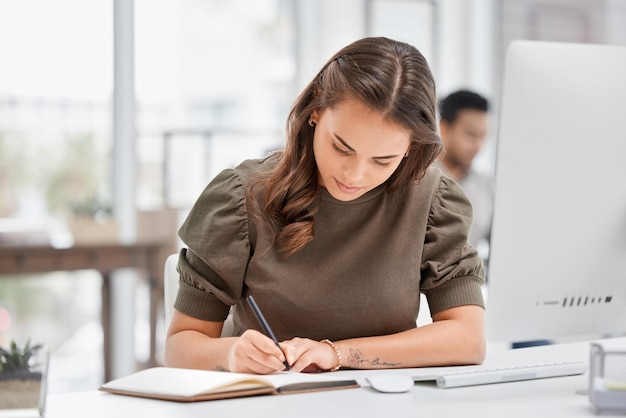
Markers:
point(356, 360)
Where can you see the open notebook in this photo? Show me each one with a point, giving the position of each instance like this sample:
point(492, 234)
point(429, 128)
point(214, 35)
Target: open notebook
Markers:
point(186, 385)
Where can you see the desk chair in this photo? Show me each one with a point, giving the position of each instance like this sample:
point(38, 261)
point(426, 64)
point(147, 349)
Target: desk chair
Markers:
point(170, 289)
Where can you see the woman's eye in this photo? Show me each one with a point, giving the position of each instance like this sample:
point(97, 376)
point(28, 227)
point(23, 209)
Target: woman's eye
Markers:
point(381, 164)
point(340, 151)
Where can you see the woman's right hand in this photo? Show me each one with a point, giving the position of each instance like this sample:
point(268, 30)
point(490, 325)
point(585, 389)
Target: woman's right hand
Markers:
point(254, 352)
point(196, 344)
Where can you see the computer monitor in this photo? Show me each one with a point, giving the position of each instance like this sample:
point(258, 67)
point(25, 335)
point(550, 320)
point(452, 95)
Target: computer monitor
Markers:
point(557, 263)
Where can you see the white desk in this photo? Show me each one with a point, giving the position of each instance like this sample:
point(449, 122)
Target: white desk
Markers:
point(554, 397)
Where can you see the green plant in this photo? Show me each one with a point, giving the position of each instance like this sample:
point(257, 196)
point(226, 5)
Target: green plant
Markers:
point(17, 359)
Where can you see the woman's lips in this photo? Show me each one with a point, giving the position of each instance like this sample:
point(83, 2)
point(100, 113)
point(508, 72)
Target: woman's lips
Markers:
point(345, 188)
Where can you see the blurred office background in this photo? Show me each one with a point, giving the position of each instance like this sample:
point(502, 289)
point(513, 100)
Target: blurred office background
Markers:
point(114, 114)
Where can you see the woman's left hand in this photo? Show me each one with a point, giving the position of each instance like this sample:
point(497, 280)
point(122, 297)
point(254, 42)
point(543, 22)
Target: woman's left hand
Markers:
point(307, 356)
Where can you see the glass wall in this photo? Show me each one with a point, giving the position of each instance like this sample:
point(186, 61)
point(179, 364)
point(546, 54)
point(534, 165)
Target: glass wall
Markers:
point(214, 83)
point(55, 89)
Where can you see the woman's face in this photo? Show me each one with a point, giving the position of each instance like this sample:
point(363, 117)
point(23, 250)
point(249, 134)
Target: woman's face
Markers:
point(355, 149)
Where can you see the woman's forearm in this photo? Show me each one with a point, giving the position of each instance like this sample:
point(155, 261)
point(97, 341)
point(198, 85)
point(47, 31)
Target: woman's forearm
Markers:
point(444, 342)
point(195, 350)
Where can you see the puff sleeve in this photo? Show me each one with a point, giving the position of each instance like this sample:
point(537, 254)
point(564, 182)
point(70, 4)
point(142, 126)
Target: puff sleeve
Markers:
point(452, 271)
point(213, 266)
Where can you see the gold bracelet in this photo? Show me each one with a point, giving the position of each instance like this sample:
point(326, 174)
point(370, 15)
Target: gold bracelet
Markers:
point(337, 354)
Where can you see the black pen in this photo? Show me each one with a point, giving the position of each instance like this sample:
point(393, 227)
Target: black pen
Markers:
point(266, 326)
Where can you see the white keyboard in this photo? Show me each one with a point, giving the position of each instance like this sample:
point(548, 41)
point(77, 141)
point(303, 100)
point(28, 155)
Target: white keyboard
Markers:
point(483, 375)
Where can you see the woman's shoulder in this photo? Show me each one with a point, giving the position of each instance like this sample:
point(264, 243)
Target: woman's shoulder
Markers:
point(433, 176)
point(436, 192)
point(438, 183)
point(236, 180)
point(252, 169)
point(221, 210)
point(431, 183)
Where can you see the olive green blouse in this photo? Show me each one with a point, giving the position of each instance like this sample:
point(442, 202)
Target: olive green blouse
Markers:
point(361, 275)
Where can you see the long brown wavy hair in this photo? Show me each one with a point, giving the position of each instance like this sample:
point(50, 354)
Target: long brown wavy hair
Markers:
point(388, 76)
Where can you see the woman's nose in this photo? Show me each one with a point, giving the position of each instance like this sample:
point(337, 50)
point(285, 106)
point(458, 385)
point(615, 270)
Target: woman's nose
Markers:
point(354, 170)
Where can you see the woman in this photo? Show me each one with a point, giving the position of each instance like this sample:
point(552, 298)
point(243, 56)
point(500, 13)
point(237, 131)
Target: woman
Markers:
point(336, 236)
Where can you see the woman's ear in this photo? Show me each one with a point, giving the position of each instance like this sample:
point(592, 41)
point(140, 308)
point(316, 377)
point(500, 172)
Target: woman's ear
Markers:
point(315, 116)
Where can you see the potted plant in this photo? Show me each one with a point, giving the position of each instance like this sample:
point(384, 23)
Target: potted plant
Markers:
point(22, 376)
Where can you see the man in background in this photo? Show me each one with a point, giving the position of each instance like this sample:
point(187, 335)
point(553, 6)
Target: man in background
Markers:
point(463, 128)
